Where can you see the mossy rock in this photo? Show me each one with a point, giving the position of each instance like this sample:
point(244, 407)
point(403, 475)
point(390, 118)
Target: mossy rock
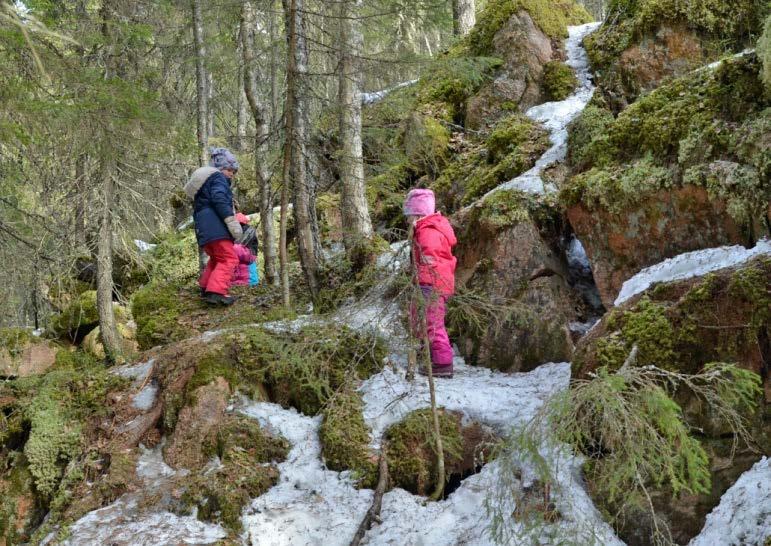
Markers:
point(683, 325)
point(345, 438)
point(20, 509)
point(411, 449)
point(174, 259)
point(559, 80)
point(248, 469)
point(78, 318)
point(553, 18)
point(588, 142)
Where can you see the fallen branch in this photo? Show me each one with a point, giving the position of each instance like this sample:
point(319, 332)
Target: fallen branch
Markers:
point(373, 514)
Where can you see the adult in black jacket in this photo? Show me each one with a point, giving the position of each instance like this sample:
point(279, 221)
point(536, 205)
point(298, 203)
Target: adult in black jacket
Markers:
point(216, 227)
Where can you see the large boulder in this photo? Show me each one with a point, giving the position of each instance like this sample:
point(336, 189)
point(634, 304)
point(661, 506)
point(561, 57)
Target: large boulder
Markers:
point(645, 42)
point(23, 354)
point(681, 326)
point(685, 167)
point(505, 259)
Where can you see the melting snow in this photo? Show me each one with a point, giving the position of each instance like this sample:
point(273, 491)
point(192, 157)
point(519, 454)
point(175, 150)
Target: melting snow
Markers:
point(377, 96)
point(743, 517)
point(128, 521)
point(691, 264)
point(310, 504)
point(556, 116)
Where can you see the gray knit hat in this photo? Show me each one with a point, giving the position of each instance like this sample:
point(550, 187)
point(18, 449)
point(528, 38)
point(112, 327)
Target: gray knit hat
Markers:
point(222, 158)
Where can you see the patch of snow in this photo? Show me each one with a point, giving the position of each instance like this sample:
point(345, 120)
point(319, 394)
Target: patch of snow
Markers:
point(577, 258)
point(479, 393)
point(38, 332)
point(128, 521)
point(310, 504)
point(144, 400)
point(144, 246)
point(717, 63)
point(691, 264)
point(555, 116)
point(743, 517)
point(377, 96)
point(137, 372)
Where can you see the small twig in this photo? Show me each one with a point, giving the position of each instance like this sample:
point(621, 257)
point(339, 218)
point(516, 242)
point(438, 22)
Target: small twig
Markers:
point(373, 513)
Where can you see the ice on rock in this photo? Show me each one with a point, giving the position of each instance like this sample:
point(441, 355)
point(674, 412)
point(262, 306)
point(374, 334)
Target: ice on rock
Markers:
point(691, 264)
point(377, 96)
point(743, 517)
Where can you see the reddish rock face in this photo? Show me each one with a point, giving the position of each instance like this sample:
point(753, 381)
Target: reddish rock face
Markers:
point(34, 359)
point(525, 49)
point(668, 223)
point(197, 424)
point(515, 268)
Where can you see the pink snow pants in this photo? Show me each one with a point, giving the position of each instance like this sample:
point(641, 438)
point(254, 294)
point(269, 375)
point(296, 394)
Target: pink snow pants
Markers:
point(434, 305)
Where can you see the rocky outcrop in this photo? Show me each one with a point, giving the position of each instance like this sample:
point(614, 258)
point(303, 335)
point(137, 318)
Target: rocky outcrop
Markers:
point(683, 168)
point(525, 49)
point(681, 326)
point(665, 224)
point(504, 259)
point(643, 43)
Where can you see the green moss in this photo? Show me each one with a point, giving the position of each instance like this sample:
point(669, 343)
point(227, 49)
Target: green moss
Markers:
point(345, 438)
point(588, 143)
point(552, 18)
point(156, 309)
point(452, 80)
point(248, 457)
point(502, 209)
point(411, 449)
point(14, 340)
point(512, 147)
point(617, 188)
point(559, 80)
point(55, 407)
point(426, 143)
point(175, 259)
point(78, 318)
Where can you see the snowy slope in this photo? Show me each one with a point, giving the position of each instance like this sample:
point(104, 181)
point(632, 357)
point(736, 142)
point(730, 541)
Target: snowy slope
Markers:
point(691, 264)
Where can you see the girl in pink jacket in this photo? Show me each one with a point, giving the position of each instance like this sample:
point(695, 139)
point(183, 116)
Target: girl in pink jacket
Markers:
point(434, 265)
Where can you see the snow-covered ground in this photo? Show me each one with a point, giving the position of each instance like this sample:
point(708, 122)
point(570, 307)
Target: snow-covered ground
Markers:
point(743, 517)
point(128, 521)
point(556, 116)
point(691, 264)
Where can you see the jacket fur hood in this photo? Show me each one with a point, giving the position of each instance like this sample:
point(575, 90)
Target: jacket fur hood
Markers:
point(197, 179)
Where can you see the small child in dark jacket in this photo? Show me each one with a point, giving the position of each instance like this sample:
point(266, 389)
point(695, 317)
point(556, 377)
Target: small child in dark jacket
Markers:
point(216, 227)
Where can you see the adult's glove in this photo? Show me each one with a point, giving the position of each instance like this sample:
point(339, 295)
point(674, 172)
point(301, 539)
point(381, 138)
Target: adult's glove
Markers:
point(234, 228)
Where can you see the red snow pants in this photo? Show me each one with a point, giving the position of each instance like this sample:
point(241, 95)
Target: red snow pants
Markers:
point(223, 261)
point(434, 307)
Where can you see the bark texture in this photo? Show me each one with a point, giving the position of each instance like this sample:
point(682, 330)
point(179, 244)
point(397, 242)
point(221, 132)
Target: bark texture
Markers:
point(463, 16)
point(200, 81)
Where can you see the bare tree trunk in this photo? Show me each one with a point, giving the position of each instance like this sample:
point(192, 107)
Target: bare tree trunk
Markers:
point(242, 106)
point(463, 17)
point(209, 102)
point(104, 283)
point(260, 139)
point(282, 255)
point(357, 226)
point(295, 136)
point(200, 80)
point(273, 20)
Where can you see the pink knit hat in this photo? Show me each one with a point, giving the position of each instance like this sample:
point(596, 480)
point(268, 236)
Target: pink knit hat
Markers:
point(419, 203)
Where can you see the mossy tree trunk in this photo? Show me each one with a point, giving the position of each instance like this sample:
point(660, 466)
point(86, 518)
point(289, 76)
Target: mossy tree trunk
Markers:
point(200, 83)
point(357, 226)
point(463, 16)
point(260, 139)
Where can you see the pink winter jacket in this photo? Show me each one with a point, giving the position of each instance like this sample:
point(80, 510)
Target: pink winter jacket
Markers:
point(432, 244)
point(245, 257)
